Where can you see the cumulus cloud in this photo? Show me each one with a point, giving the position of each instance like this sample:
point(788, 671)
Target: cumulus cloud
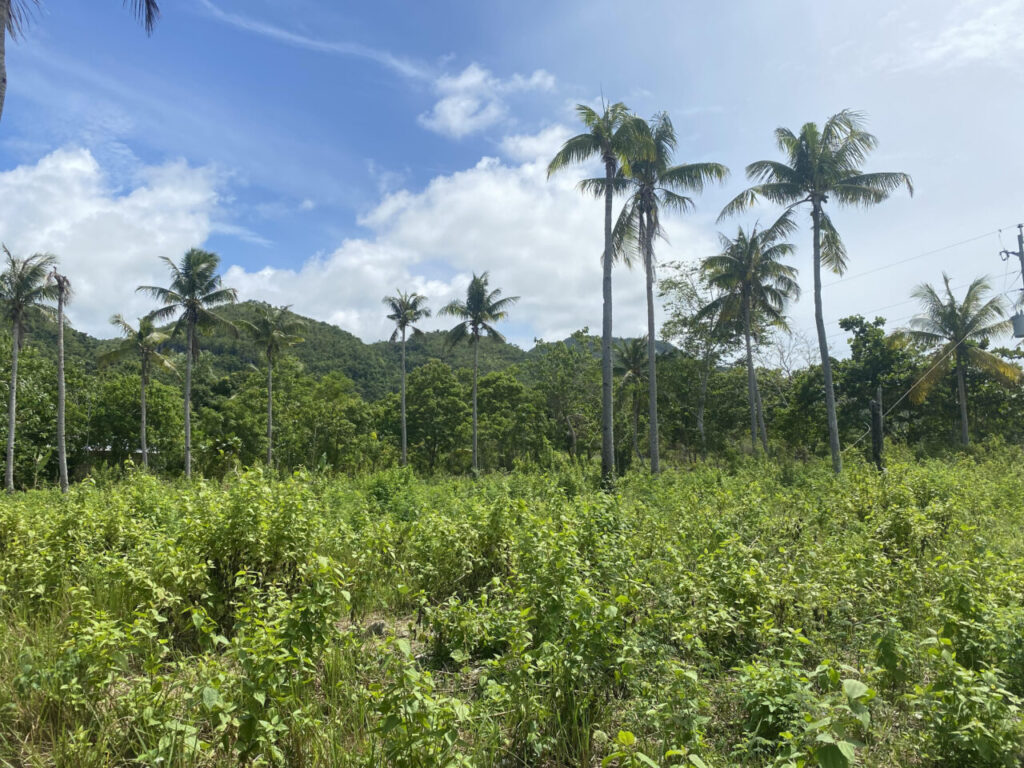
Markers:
point(539, 239)
point(474, 99)
point(974, 32)
point(107, 242)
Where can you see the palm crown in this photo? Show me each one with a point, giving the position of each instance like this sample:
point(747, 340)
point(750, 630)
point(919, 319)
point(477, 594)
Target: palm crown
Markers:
point(478, 312)
point(274, 329)
point(821, 164)
point(750, 266)
point(606, 138)
point(631, 361)
point(144, 341)
point(195, 288)
point(952, 325)
point(25, 287)
point(406, 309)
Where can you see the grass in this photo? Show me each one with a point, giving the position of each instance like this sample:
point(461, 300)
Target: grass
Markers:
point(767, 614)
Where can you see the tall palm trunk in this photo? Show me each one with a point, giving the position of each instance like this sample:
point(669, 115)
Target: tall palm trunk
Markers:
point(636, 426)
point(702, 398)
point(142, 399)
point(62, 453)
point(760, 413)
point(826, 363)
point(476, 363)
point(751, 382)
point(646, 238)
point(405, 450)
point(12, 404)
point(607, 414)
point(5, 15)
point(270, 411)
point(188, 401)
point(961, 391)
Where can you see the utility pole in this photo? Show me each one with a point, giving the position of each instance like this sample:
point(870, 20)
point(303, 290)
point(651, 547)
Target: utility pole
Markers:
point(1019, 253)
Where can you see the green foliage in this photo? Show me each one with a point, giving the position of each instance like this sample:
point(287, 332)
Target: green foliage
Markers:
point(766, 615)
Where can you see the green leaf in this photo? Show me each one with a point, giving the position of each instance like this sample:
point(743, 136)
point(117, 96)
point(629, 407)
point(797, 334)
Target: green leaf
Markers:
point(211, 698)
point(831, 756)
point(854, 689)
point(698, 762)
point(626, 739)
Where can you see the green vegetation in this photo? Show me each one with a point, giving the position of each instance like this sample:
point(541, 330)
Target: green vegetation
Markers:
point(759, 614)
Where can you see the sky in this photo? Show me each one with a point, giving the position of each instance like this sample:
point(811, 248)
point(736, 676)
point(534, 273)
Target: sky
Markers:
point(334, 153)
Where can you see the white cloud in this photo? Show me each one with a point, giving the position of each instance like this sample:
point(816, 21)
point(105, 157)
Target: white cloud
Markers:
point(307, 205)
point(107, 242)
point(526, 147)
point(974, 32)
point(474, 99)
point(539, 239)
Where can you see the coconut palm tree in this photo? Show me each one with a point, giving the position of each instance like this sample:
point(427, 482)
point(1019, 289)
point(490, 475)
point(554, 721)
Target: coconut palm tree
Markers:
point(631, 371)
point(144, 341)
point(194, 291)
point(606, 138)
point(754, 284)
point(14, 15)
point(822, 164)
point(274, 330)
point(477, 315)
point(24, 291)
point(955, 328)
point(406, 309)
point(63, 296)
point(654, 183)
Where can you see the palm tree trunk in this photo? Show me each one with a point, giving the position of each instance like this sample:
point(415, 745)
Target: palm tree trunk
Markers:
point(270, 412)
point(702, 398)
point(62, 454)
point(476, 363)
point(405, 454)
point(826, 362)
point(12, 398)
point(607, 414)
point(142, 421)
point(652, 376)
point(961, 390)
point(636, 427)
point(751, 385)
point(188, 401)
point(5, 14)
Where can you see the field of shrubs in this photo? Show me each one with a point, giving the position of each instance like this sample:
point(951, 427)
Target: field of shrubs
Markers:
point(756, 615)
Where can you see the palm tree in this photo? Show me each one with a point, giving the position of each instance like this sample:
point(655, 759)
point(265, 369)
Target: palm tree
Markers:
point(754, 284)
point(822, 164)
point(406, 309)
point(195, 289)
point(956, 328)
point(23, 290)
point(63, 296)
point(652, 183)
point(144, 341)
point(14, 15)
point(477, 315)
point(274, 329)
point(606, 137)
point(631, 370)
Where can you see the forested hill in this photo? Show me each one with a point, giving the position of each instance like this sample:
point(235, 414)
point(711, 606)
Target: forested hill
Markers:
point(374, 368)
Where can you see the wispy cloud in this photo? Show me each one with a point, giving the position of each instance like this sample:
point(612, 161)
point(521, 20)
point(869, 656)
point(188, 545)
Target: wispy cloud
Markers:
point(975, 32)
point(399, 65)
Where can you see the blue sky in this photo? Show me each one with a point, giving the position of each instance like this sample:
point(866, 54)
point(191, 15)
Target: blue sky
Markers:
point(331, 152)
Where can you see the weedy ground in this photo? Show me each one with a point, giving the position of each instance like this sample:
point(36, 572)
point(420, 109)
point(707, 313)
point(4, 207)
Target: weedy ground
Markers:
point(762, 615)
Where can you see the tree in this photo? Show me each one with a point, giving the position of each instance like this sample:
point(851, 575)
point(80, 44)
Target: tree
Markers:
point(653, 183)
point(406, 309)
point(194, 290)
point(63, 286)
point(478, 313)
point(822, 164)
point(707, 337)
point(631, 370)
point(607, 137)
point(755, 286)
point(144, 341)
point(273, 330)
point(438, 414)
point(957, 329)
point(14, 15)
point(24, 288)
